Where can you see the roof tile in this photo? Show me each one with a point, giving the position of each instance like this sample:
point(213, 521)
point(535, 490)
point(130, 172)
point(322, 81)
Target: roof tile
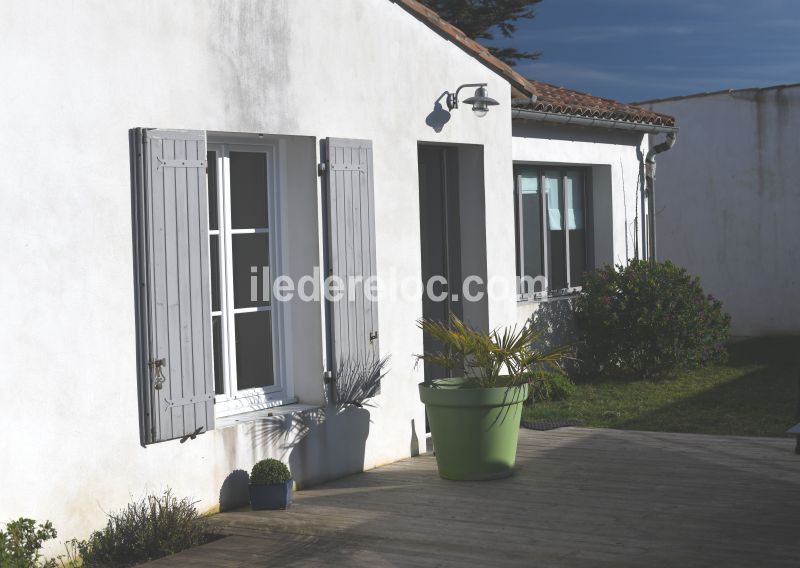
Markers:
point(559, 100)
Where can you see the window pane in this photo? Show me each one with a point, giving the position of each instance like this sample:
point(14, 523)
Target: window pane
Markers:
point(576, 223)
point(555, 218)
point(531, 224)
point(250, 256)
point(254, 350)
point(214, 252)
point(216, 328)
point(248, 190)
point(213, 211)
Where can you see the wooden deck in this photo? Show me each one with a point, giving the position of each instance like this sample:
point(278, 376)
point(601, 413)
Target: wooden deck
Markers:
point(580, 497)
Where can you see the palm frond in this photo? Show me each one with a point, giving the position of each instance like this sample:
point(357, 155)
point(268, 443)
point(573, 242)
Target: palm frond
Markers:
point(486, 357)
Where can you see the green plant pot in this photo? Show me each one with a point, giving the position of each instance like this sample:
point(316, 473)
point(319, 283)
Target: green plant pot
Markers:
point(475, 430)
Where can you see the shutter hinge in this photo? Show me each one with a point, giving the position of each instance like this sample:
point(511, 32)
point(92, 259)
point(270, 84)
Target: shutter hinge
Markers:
point(373, 335)
point(192, 436)
point(329, 377)
point(322, 167)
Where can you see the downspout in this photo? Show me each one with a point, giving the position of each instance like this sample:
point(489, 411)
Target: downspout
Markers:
point(650, 189)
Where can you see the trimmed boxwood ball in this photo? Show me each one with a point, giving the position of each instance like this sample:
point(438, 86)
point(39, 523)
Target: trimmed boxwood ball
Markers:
point(646, 320)
point(269, 472)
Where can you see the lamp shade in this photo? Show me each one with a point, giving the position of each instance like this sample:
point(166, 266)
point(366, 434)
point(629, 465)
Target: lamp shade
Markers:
point(481, 101)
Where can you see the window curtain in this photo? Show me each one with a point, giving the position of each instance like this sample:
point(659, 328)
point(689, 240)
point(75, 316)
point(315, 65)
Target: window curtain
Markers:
point(553, 200)
point(574, 193)
point(529, 183)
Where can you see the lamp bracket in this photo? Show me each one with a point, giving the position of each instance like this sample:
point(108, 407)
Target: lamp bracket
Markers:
point(452, 98)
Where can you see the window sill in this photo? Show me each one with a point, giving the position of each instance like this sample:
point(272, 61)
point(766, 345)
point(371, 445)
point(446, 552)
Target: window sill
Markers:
point(540, 298)
point(263, 414)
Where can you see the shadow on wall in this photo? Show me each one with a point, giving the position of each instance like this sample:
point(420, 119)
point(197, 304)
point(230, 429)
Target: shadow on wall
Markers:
point(322, 443)
point(438, 117)
point(233, 493)
point(333, 447)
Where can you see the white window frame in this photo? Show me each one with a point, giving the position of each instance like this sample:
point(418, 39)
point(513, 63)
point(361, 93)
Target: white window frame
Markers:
point(235, 401)
point(566, 200)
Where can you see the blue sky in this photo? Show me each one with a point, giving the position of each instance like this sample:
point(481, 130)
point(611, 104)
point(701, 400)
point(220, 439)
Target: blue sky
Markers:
point(631, 50)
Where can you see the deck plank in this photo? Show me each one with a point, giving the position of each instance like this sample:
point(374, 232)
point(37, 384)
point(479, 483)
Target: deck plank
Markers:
point(580, 497)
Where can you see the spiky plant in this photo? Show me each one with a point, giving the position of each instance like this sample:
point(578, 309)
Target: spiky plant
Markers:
point(359, 380)
point(502, 357)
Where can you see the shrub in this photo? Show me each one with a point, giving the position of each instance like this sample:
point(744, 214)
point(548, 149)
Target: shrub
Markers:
point(547, 386)
point(156, 526)
point(21, 543)
point(648, 319)
point(269, 472)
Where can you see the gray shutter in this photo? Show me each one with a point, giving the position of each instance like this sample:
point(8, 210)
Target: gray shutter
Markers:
point(173, 305)
point(350, 251)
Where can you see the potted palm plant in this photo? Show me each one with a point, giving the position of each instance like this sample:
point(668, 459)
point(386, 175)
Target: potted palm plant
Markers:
point(270, 485)
point(475, 414)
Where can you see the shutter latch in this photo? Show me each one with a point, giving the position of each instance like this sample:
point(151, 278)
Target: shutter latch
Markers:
point(155, 366)
point(321, 168)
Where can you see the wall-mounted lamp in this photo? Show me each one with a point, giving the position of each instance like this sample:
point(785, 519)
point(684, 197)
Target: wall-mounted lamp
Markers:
point(480, 102)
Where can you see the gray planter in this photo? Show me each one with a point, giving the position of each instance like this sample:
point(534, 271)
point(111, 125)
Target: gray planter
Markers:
point(270, 497)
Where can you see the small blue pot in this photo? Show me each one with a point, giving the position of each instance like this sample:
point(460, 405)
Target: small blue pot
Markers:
point(270, 497)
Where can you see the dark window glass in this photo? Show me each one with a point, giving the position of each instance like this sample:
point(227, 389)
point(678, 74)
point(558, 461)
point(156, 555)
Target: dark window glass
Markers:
point(555, 225)
point(532, 224)
point(248, 190)
point(254, 350)
point(576, 224)
point(213, 196)
point(250, 256)
point(214, 253)
point(216, 328)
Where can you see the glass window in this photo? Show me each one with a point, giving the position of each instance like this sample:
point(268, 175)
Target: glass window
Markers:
point(530, 201)
point(557, 274)
point(250, 257)
point(576, 222)
point(239, 245)
point(248, 190)
point(551, 216)
point(254, 350)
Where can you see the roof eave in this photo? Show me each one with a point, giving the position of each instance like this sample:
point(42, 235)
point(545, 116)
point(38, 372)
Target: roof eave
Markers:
point(592, 122)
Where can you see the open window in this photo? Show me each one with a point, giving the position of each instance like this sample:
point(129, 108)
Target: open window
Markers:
point(215, 223)
point(243, 240)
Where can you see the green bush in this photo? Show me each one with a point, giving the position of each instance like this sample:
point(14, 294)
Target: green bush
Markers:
point(547, 386)
point(21, 543)
point(269, 472)
point(647, 319)
point(156, 526)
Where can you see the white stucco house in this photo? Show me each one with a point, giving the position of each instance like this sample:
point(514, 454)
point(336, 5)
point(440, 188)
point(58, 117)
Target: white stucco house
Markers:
point(728, 201)
point(166, 160)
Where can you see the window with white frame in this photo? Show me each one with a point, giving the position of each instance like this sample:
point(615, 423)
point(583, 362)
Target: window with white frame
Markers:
point(552, 207)
point(242, 235)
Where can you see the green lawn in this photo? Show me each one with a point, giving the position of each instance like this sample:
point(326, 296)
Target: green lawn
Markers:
point(755, 394)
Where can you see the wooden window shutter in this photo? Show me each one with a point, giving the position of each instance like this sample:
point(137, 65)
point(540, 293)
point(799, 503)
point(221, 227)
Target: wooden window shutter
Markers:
point(350, 250)
point(172, 277)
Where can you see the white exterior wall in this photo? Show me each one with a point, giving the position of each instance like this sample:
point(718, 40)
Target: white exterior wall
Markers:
point(613, 159)
point(728, 202)
point(76, 77)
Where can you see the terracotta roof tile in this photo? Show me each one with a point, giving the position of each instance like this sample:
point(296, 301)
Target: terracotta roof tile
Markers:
point(559, 100)
point(433, 20)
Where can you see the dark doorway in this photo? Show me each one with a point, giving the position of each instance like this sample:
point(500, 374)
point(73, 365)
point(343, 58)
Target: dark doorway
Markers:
point(440, 239)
